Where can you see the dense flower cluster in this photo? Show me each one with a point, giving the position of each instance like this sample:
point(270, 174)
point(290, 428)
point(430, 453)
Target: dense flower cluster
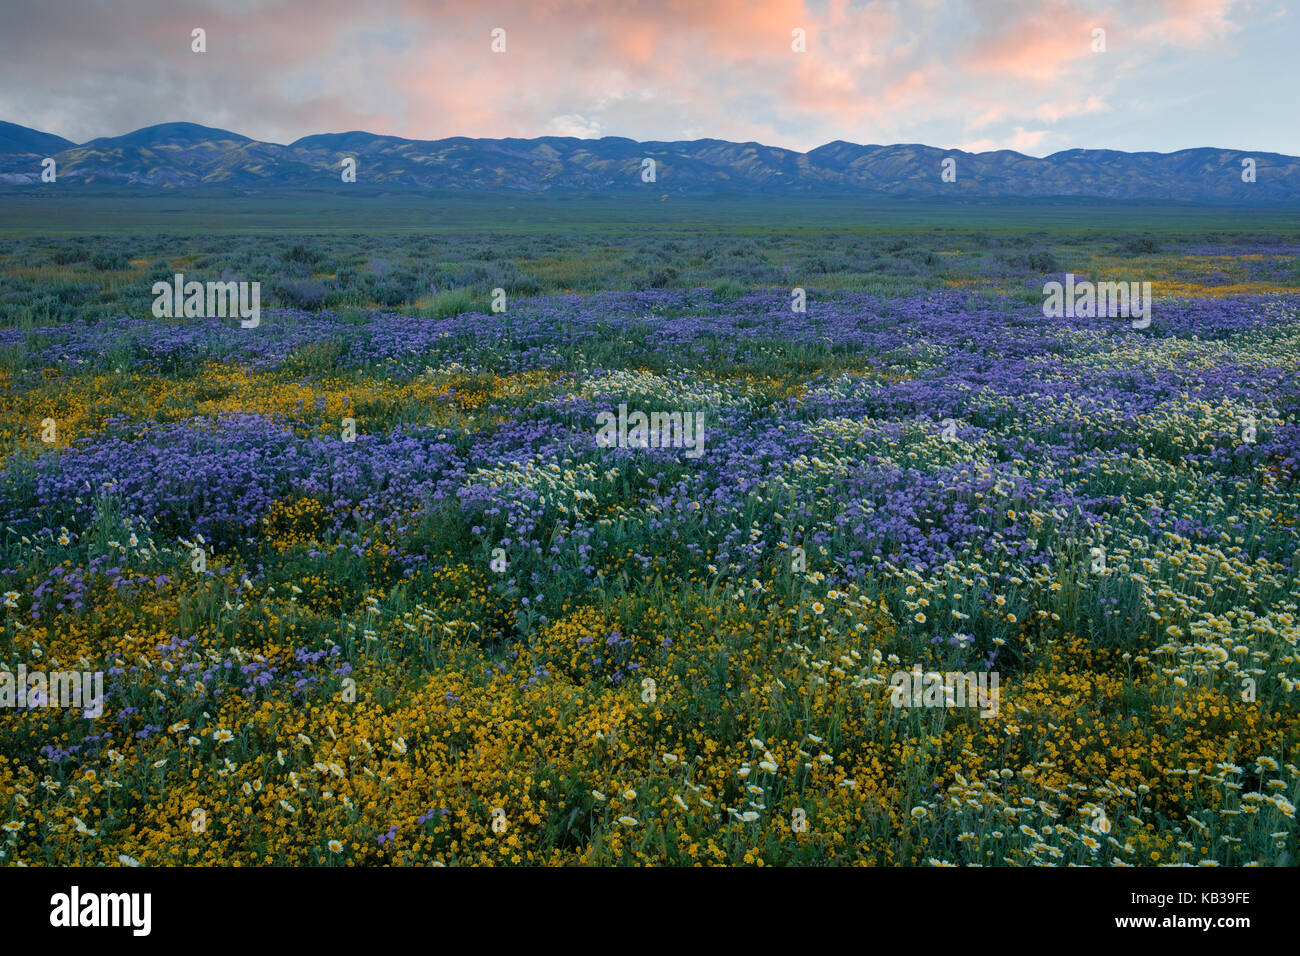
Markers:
point(470, 634)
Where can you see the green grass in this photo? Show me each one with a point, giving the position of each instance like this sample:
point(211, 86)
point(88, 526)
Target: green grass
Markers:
point(83, 255)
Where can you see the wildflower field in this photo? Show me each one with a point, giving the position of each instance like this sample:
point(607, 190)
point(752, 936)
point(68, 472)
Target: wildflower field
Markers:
point(366, 590)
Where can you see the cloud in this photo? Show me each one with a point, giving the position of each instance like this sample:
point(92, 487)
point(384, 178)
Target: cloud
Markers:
point(1039, 44)
point(1012, 71)
point(574, 125)
point(1190, 23)
point(1021, 141)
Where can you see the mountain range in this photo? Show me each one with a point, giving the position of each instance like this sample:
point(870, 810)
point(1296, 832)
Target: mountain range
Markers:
point(175, 156)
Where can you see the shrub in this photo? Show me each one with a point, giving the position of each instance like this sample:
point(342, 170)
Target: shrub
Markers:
point(1140, 245)
point(302, 254)
point(309, 294)
point(106, 261)
point(728, 289)
point(447, 304)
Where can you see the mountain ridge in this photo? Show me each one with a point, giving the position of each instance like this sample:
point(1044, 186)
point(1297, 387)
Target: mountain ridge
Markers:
point(182, 155)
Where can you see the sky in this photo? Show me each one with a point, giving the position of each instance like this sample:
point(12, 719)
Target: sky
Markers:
point(1026, 75)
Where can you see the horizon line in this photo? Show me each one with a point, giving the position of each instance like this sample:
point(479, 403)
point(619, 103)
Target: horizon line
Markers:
point(706, 139)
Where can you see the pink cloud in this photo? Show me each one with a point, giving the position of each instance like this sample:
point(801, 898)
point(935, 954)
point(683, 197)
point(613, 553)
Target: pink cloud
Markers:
point(1043, 44)
point(878, 71)
point(1189, 23)
point(1022, 141)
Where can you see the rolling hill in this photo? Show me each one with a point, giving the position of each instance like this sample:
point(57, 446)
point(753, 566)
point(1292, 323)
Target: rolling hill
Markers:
point(186, 155)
